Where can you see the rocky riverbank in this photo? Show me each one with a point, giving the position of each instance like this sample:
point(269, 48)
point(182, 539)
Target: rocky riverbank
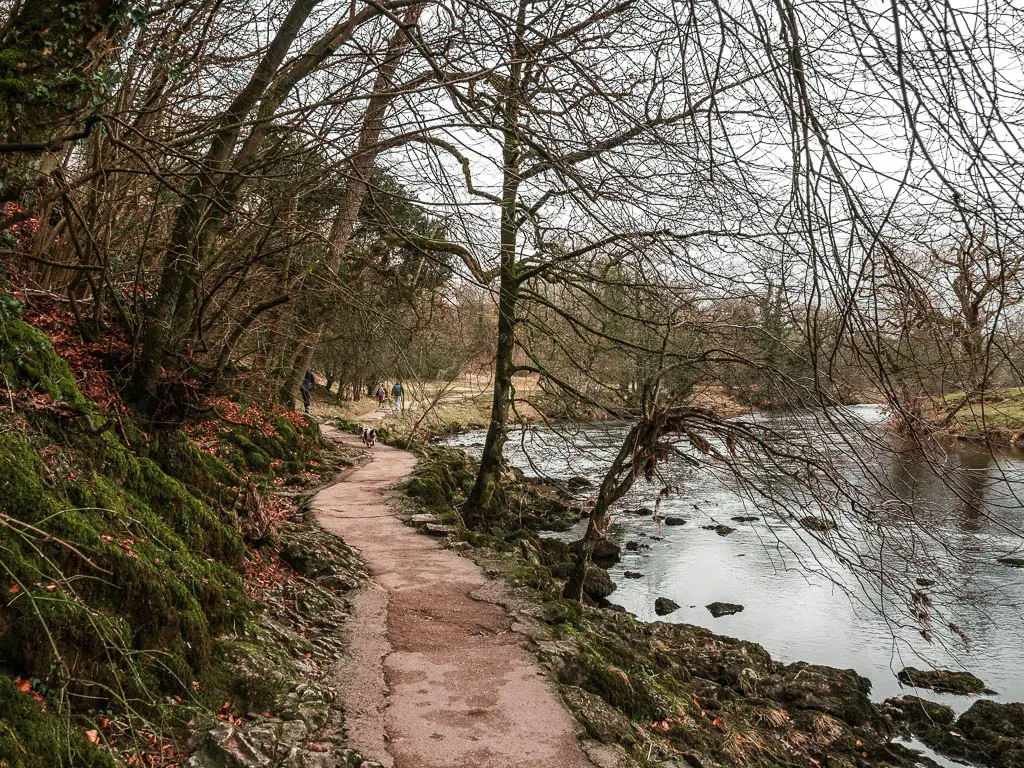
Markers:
point(673, 695)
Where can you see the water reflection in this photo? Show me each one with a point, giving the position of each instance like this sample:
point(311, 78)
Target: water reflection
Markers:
point(944, 520)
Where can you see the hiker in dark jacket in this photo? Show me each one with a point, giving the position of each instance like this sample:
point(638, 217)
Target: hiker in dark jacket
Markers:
point(307, 388)
point(396, 395)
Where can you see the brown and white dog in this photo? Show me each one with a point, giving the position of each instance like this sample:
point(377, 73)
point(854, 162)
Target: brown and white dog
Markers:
point(369, 437)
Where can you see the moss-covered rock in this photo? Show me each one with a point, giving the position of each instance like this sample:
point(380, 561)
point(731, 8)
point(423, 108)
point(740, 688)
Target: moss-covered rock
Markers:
point(994, 733)
point(943, 681)
point(989, 733)
point(29, 362)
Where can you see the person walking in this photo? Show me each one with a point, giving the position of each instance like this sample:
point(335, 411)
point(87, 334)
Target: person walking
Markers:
point(307, 389)
point(396, 395)
point(380, 394)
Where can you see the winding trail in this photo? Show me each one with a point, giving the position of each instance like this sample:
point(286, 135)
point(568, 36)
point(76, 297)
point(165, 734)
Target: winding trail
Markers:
point(435, 675)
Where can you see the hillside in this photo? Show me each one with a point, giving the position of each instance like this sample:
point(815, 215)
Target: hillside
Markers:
point(140, 569)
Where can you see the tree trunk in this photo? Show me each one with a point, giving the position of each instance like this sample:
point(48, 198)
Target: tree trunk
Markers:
point(612, 489)
point(367, 149)
point(484, 500)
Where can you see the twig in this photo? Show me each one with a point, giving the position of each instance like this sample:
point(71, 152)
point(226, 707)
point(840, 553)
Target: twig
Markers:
point(10, 395)
point(8, 520)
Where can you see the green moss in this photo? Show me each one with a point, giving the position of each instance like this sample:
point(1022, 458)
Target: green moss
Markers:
point(28, 360)
point(150, 585)
point(30, 738)
point(615, 685)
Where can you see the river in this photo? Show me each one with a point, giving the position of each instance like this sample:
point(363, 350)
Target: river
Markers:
point(965, 510)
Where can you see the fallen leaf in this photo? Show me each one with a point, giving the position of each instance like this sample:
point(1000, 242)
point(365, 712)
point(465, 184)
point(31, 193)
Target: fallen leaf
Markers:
point(14, 589)
point(93, 736)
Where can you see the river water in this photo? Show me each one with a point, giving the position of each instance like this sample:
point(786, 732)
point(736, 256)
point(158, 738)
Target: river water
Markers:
point(947, 518)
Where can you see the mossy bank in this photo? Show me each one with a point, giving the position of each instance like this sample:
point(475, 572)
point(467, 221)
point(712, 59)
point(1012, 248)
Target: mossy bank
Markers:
point(121, 557)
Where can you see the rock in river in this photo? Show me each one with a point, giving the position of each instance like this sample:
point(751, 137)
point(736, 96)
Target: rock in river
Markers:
point(943, 681)
point(989, 733)
point(663, 606)
point(718, 609)
point(578, 483)
point(633, 575)
point(636, 546)
point(817, 524)
point(640, 511)
point(745, 518)
point(675, 521)
point(721, 530)
point(1013, 562)
point(606, 553)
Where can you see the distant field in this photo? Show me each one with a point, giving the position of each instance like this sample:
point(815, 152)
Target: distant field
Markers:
point(432, 407)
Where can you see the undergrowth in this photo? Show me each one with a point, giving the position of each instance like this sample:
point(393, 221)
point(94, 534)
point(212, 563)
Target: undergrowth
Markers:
point(119, 566)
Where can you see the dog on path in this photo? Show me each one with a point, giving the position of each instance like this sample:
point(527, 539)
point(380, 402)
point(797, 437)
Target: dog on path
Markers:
point(369, 437)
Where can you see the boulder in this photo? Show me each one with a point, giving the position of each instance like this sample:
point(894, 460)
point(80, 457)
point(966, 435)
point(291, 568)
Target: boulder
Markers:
point(994, 733)
point(633, 575)
point(606, 553)
point(601, 721)
point(943, 681)
point(598, 584)
point(921, 714)
point(925, 582)
point(817, 524)
point(841, 693)
point(745, 518)
point(578, 483)
point(675, 521)
point(1012, 562)
point(719, 609)
point(436, 529)
point(636, 546)
point(647, 511)
point(989, 733)
point(664, 606)
point(226, 746)
point(721, 530)
point(608, 755)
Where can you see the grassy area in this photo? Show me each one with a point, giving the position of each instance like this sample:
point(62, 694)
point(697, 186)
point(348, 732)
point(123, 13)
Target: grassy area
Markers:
point(998, 418)
point(433, 408)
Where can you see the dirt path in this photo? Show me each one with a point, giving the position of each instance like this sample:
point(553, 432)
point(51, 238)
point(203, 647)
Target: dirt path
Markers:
point(435, 676)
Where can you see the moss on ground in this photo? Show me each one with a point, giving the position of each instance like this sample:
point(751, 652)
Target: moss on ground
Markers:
point(119, 572)
point(32, 738)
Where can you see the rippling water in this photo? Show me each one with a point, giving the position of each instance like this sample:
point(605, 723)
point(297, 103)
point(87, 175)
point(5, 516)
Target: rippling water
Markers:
point(966, 509)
